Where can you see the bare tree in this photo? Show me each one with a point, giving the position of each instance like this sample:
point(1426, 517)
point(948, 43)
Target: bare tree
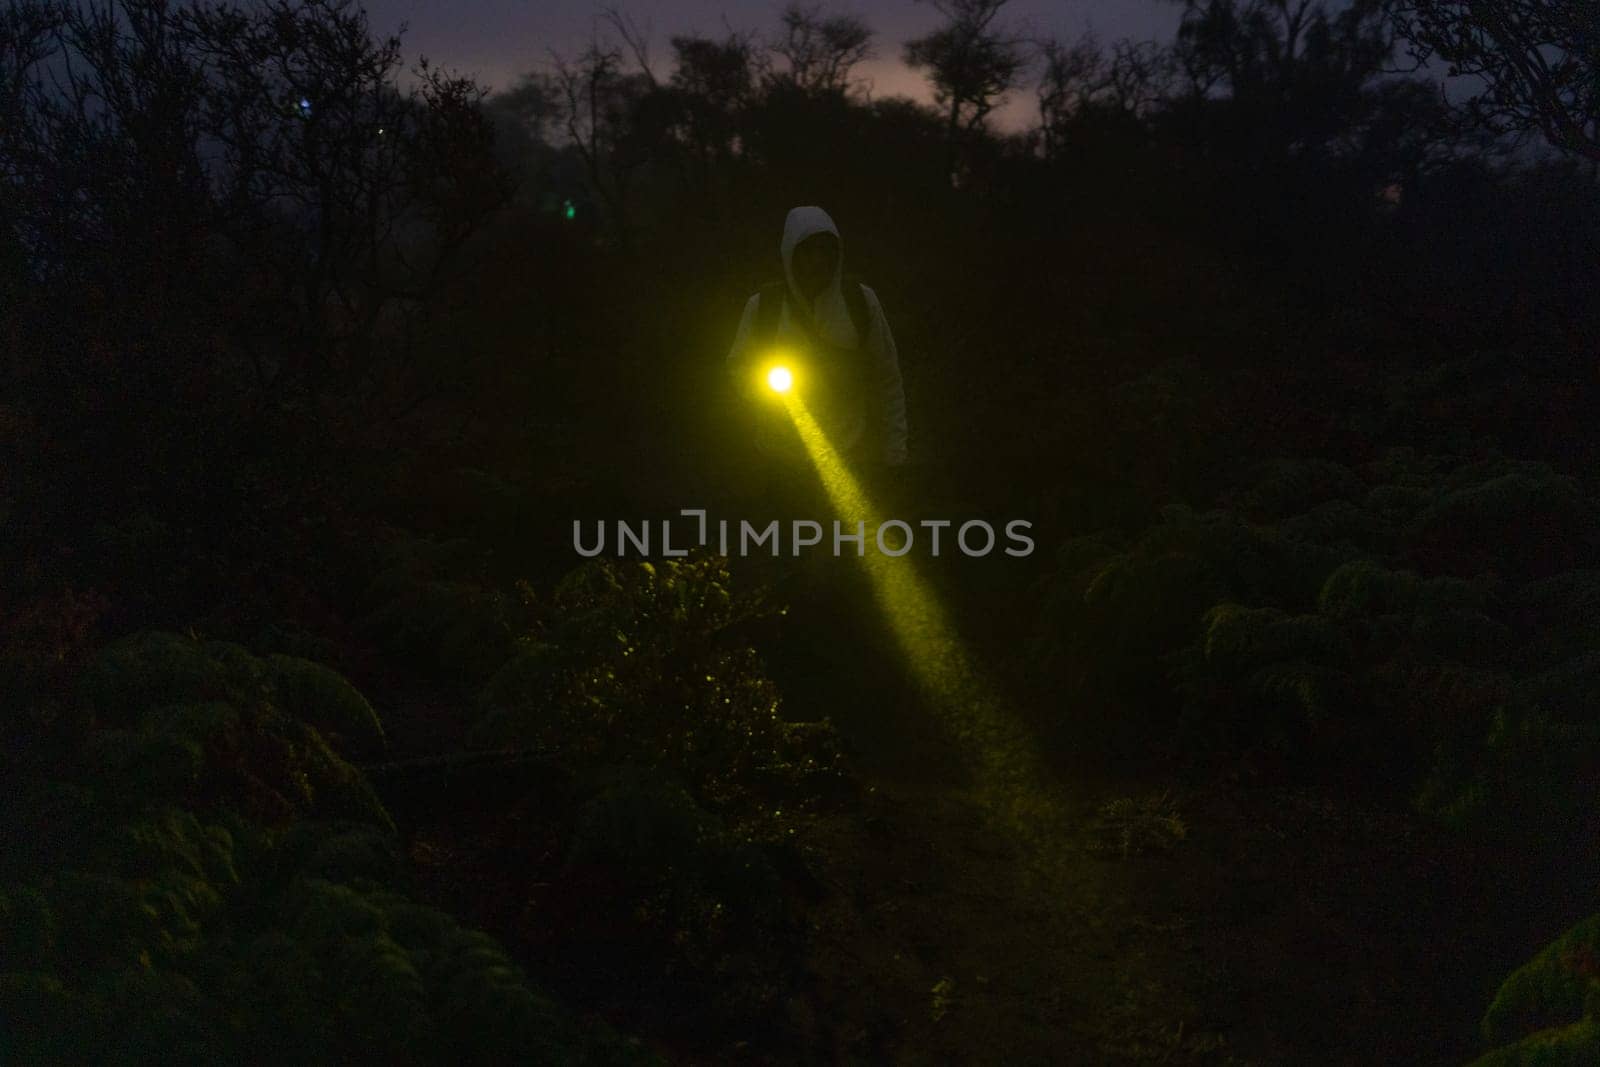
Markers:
point(598, 102)
point(713, 81)
point(1142, 75)
point(619, 118)
point(1278, 80)
point(1539, 61)
point(1257, 48)
point(1073, 77)
point(971, 62)
point(636, 39)
point(154, 145)
point(820, 50)
point(1081, 79)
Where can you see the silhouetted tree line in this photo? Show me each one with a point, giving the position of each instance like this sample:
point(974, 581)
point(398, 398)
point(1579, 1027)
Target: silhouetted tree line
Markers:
point(1288, 356)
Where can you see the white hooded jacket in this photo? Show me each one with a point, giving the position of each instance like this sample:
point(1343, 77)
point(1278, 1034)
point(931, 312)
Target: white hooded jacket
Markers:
point(885, 402)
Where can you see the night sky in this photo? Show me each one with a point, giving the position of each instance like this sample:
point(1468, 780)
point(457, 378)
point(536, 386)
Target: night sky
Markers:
point(497, 40)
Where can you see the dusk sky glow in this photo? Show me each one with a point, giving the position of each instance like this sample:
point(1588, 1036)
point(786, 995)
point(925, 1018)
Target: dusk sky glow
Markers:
point(498, 40)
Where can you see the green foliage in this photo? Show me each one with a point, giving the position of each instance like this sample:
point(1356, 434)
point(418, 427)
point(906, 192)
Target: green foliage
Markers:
point(1569, 691)
point(348, 853)
point(42, 638)
point(1470, 636)
point(196, 719)
point(1131, 825)
point(1308, 692)
point(430, 612)
point(1529, 522)
point(1518, 770)
point(1251, 562)
point(1548, 1010)
point(484, 1008)
point(658, 894)
point(1363, 589)
point(1144, 603)
point(150, 669)
point(1348, 528)
point(1259, 676)
point(1237, 638)
point(1162, 623)
point(636, 663)
point(1568, 1046)
point(1392, 503)
point(1575, 593)
point(1406, 624)
point(317, 695)
point(1285, 488)
point(207, 880)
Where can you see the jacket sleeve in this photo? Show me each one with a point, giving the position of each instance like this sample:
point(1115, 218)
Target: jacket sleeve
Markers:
point(888, 392)
point(738, 354)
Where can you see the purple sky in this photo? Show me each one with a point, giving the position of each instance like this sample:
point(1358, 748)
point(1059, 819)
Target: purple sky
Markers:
point(497, 40)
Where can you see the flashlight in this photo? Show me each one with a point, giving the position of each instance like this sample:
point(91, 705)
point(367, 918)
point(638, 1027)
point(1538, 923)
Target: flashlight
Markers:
point(779, 379)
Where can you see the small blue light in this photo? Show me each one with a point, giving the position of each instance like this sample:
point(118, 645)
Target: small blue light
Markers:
point(305, 105)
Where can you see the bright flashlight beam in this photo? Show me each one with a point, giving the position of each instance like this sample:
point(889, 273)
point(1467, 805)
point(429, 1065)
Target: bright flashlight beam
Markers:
point(779, 379)
point(932, 648)
point(1021, 800)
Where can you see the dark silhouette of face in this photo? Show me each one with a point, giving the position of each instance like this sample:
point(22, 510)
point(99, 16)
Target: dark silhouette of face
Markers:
point(814, 261)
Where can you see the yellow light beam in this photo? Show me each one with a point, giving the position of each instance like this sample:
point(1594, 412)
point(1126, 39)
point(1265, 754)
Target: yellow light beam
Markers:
point(938, 658)
point(1021, 800)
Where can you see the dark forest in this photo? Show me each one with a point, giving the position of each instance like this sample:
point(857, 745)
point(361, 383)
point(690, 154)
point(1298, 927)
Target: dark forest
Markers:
point(324, 739)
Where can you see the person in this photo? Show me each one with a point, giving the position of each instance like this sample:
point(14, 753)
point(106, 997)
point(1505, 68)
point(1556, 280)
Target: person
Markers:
point(833, 331)
point(830, 331)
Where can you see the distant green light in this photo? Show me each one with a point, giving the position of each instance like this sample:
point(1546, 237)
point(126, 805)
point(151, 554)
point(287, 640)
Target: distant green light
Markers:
point(571, 212)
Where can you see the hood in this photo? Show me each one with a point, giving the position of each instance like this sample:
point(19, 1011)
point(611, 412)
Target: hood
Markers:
point(829, 310)
point(800, 224)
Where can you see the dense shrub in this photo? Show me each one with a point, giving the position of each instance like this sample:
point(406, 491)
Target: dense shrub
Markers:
point(431, 610)
point(642, 664)
point(204, 879)
point(1407, 623)
point(1548, 1010)
point(659, 898)
point(1528, 523)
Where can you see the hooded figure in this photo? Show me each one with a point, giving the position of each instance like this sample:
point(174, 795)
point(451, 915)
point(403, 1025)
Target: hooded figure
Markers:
point(864, 410)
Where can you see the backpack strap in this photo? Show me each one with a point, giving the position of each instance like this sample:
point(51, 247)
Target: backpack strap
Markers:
point(769, 309)
point(856, 301)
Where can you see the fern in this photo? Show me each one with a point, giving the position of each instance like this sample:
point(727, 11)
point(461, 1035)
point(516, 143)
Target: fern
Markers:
point(165, 920)
point(319, 696)
point(1546, 1010)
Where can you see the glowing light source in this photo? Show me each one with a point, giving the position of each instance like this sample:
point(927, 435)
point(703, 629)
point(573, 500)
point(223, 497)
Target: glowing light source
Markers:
point(571, 210)
point(779, 379)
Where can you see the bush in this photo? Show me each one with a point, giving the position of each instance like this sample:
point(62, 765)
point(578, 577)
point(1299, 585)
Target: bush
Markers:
point(430, 612)
point(1285, 487)
point(658, 897)
point(1131, 825)
point(637, 663)
point(1531, 523)
point(1548, 1010)
point(320, 696)
point(207, 880)
point(1411, 611)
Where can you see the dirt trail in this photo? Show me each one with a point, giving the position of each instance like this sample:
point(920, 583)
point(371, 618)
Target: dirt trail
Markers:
point(972, 916)
point(978, 916)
